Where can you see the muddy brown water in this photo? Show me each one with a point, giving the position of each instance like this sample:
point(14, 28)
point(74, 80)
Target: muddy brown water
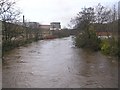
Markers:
point(58, 64)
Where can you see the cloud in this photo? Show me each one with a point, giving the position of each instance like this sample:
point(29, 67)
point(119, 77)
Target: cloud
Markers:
point(46, 11)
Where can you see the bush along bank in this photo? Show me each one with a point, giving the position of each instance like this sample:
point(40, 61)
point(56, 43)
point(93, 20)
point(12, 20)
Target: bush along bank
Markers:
point(89, 40)
point(94, 26)
point(108, 46)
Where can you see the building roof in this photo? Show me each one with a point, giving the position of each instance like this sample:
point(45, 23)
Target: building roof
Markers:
point(104, 33)
point(55, 23)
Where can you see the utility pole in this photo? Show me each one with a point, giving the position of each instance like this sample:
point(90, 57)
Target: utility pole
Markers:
point(23, 20)
point(24, 26)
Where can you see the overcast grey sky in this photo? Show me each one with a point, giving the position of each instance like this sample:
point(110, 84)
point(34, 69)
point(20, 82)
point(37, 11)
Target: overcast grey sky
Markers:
point(46, 11)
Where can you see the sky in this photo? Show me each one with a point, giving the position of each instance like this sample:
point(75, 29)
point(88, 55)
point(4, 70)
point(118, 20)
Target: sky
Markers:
point(46, 11)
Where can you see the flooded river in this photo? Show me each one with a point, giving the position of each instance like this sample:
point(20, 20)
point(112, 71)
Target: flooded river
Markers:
point(58, 64)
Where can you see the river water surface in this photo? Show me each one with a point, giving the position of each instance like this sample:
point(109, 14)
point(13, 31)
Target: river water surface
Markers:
point(58, 64)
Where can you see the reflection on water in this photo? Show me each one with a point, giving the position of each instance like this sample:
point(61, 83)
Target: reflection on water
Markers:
point(58, 64)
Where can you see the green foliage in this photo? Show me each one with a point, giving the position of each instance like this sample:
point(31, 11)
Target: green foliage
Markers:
point(88, 39)
point(105, 47)
point(110, 47)
point(114, 47)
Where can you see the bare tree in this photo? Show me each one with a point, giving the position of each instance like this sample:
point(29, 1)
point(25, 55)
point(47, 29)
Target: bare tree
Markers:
point(84, 19)
point(9, 14)
point(103, 18)
point(114, 22)
point(8, 11)
point(103, 14)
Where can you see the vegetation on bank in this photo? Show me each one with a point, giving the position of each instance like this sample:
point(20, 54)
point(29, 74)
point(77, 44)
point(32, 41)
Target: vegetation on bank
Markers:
point(110, 47)
point(16, 35)
point(88, 39)
point(89, 22)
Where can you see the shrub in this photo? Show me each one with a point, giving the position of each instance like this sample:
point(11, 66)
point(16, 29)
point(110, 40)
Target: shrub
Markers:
point(114, 47)
point(105, 47)
point(110, 47)
point(88, 39)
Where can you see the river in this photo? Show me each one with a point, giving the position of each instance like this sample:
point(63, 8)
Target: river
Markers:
point(57, 63)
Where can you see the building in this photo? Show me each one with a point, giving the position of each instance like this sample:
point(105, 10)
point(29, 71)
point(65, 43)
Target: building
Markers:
point(55, 26)
point(29, 24)
point(45, 30)
point(47, 27)
point(104, 35)
point(32, 24)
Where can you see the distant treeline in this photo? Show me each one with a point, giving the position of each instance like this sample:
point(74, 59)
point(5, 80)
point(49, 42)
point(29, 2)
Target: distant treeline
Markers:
point(64, 32)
